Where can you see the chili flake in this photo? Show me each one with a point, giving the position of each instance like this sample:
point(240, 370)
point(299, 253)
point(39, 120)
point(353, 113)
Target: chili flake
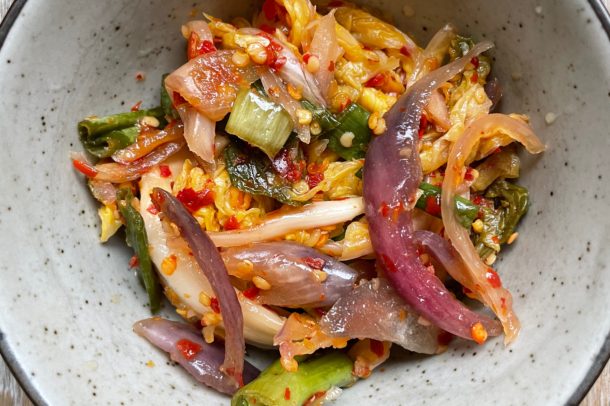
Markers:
point(376, 81)
point(251, 292)
point(195, 200)
point(478, 333)
point(376, 347)
point(493, 278)
point(315, 263)
point(136, 107)
point(214, 305)
point(84, 168)
point(433, 205)
point(133, 261)
point(187, 348)
point(231, 223)
point(165, 171)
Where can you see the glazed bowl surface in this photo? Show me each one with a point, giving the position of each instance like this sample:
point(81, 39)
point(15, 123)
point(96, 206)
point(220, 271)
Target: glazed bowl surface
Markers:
point(68, 303)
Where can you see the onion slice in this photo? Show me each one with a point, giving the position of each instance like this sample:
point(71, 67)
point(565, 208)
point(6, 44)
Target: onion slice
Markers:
point(211, 263)
point(298, 276)
point(286, 221)
point(479, 277)
point(374, 310)
point(186, 284)
point(277, 91)
point(293, 71)
point(325, 47)
point(185, 346)
point(148, 140)
point(392, 175)
point(119, 173)
point(199, 132)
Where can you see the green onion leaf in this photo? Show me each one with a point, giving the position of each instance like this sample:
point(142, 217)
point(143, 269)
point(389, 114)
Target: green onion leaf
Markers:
point(251, 171)
point(350, 139)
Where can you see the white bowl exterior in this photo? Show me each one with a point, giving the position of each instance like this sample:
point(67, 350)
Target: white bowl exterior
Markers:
point(68, 302)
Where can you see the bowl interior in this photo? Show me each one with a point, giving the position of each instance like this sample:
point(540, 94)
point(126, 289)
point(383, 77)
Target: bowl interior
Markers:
point(69, 303)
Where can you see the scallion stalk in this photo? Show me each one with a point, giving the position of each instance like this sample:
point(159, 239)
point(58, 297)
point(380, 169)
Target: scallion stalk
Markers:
point(103, 136)
point(277, 387)
point(137, 239)
point(260, 122)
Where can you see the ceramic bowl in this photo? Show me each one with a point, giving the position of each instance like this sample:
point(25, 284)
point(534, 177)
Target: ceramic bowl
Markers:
point(68, 303)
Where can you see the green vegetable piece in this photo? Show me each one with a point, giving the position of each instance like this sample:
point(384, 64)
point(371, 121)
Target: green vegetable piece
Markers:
point(258, 86)
point(103, 136)
point(137, 239)
point(260, 122)
point(500, 223)
point(504, 164)
point(354, 119)
point(460, 47)
point(251, 171)
point(430, 202)
point(325, 118)
point(166, 101)
point(277, 387)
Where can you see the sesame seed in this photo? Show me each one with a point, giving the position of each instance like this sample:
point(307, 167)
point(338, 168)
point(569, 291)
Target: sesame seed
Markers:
point(512, 238)
point(346, 139)
point(261, 283)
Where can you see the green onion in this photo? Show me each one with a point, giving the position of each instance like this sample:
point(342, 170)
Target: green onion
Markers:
point(499, 223)
point(324, 117)
point(251, 171)
point(166, 101)
point(260, 122)
point(430, 202)
point(277, 387)
point(351, 137)
point(137, 239)
point(504, 164)
point(103, 136)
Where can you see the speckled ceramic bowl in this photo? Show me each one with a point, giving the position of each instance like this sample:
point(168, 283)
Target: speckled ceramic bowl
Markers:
point(67, 303)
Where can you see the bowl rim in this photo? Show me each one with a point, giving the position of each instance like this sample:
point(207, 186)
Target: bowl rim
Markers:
point(599, 362)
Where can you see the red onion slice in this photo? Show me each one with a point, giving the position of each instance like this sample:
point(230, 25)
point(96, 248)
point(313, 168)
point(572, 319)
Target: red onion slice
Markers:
point(374, 310)
point(476, 275)
point(119, 173)
point(210, 262)
point(392, 174)
point(185, 346)
point(299, 276)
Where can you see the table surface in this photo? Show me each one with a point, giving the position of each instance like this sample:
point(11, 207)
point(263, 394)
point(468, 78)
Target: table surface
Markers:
point(12, 394)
